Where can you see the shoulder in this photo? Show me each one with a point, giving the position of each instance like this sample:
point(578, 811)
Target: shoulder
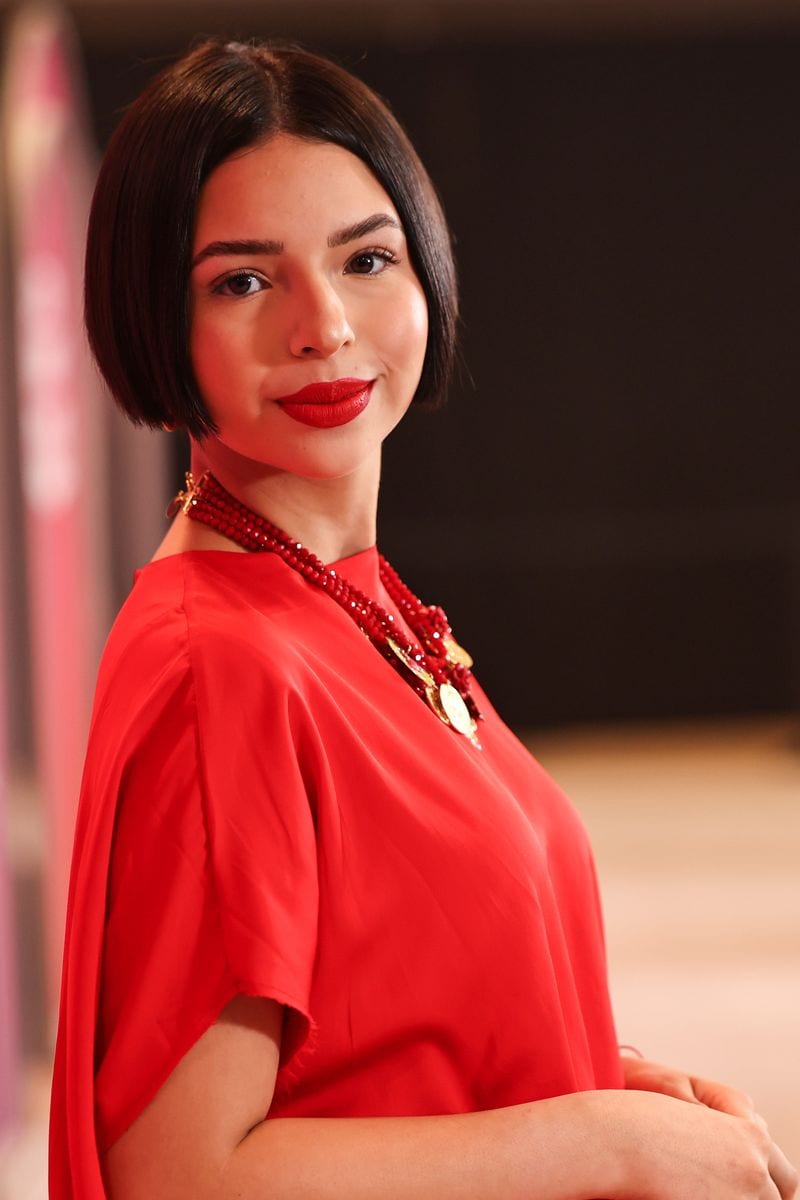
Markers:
point(208, 633)
point(198, 692)
point(198, 602)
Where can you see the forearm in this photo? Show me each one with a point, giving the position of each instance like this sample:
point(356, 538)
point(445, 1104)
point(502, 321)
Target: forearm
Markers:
point(557, 1149)
point(191, 1142)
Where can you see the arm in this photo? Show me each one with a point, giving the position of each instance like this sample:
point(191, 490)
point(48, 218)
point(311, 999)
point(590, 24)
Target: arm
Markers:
point(203, 1138)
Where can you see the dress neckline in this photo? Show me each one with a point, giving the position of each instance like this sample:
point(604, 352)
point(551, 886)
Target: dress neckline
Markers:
point(361, 568)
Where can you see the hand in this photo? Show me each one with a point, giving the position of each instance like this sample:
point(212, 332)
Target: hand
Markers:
point(684, 1151)
point(644, 1076)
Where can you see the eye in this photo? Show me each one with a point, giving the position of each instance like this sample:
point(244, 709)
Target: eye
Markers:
point(241, 283)
point(371, 262)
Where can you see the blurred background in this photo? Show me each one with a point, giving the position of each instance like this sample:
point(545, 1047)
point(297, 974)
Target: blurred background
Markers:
point(608, 507)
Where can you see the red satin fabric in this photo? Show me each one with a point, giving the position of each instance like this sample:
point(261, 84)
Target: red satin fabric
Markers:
point(268, 808)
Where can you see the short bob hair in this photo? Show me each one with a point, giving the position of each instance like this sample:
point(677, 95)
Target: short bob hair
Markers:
point(220, 98)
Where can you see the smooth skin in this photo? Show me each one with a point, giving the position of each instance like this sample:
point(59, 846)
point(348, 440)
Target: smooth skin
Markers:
point(204, 1137)
point(264, 325)
point(301, 310)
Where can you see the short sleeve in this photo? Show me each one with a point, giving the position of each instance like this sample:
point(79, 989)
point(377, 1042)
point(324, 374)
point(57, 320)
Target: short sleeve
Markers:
point(256, 756)
point(212, 884)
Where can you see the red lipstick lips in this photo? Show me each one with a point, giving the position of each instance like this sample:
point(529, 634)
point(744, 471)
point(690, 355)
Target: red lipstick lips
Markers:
point(326, 405)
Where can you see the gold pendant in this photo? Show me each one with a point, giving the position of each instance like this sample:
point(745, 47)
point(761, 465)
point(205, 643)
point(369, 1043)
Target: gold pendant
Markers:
point(414, 667)
point(456, 654)
point(445, 700)
point(449, 706)
point(457, 712)
point(435, 701)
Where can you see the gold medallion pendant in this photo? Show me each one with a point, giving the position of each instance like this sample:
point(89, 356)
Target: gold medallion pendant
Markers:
point(206, 500)
point(448, 704)
point(456, 654)
point(457, 712)
point(414, 667)
point(445, 700)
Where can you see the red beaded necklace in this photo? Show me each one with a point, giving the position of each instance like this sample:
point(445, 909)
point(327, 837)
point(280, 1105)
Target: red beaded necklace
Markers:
point(438, 668)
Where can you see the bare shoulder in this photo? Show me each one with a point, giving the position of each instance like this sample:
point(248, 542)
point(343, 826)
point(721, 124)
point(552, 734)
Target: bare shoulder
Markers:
point(220, 1090)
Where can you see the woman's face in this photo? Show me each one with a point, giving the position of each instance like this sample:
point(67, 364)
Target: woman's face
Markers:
point(301, 276)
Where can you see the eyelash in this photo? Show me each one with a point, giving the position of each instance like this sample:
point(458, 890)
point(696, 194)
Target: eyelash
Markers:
point(218, 287)
point(383, 253)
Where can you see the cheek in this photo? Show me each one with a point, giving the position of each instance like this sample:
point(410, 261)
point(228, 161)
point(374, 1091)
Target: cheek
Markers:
point(405, 332)
point(419, 326)
point(218, 353)
point(202, 351)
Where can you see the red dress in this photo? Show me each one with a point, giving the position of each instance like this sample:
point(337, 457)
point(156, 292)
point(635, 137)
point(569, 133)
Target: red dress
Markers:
point(269, 808)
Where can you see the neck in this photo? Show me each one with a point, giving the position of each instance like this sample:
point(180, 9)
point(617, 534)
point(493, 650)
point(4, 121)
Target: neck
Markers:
point(333, 518)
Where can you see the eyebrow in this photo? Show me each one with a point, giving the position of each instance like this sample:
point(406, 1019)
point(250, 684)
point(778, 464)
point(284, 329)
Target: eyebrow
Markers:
point(269, 247)
point(362, 228)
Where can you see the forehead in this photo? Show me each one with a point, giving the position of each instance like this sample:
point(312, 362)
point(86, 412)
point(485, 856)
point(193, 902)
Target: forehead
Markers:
point(287, 185)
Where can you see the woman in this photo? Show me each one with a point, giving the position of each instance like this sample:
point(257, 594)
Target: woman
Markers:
point(332, 931)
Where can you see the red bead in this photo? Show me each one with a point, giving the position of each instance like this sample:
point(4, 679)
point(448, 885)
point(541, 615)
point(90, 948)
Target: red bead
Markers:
point(215, 507)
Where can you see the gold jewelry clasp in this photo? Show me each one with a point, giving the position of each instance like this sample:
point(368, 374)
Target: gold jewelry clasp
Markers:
point(184, 499)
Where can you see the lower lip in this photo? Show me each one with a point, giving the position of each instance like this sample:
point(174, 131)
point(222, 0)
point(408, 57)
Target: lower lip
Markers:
point(328, 416)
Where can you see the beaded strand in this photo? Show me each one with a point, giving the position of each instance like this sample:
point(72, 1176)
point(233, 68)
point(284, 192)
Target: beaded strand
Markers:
point(206, 500)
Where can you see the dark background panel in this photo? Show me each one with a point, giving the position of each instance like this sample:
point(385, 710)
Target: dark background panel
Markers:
point(609, 506)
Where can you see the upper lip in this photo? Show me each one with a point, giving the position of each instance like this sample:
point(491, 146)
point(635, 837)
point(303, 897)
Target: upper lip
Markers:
point(326, 393)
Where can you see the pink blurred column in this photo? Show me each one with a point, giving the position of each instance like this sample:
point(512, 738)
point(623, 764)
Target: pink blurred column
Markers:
point(10, 1051)
point(10, 1055)
point(60, 431)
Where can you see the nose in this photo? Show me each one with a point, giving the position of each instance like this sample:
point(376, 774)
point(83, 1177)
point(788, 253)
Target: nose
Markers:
point(319, 325)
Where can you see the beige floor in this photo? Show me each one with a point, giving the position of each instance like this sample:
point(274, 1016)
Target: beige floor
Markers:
point(696, 830)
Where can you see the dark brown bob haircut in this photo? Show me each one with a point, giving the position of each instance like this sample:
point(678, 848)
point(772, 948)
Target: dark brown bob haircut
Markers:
point(220, 98)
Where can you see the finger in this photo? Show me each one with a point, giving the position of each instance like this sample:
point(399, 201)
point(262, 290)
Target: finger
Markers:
point(783, 1174)
point(644, 1076)
point(722, 1097)
point(677, 1086)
